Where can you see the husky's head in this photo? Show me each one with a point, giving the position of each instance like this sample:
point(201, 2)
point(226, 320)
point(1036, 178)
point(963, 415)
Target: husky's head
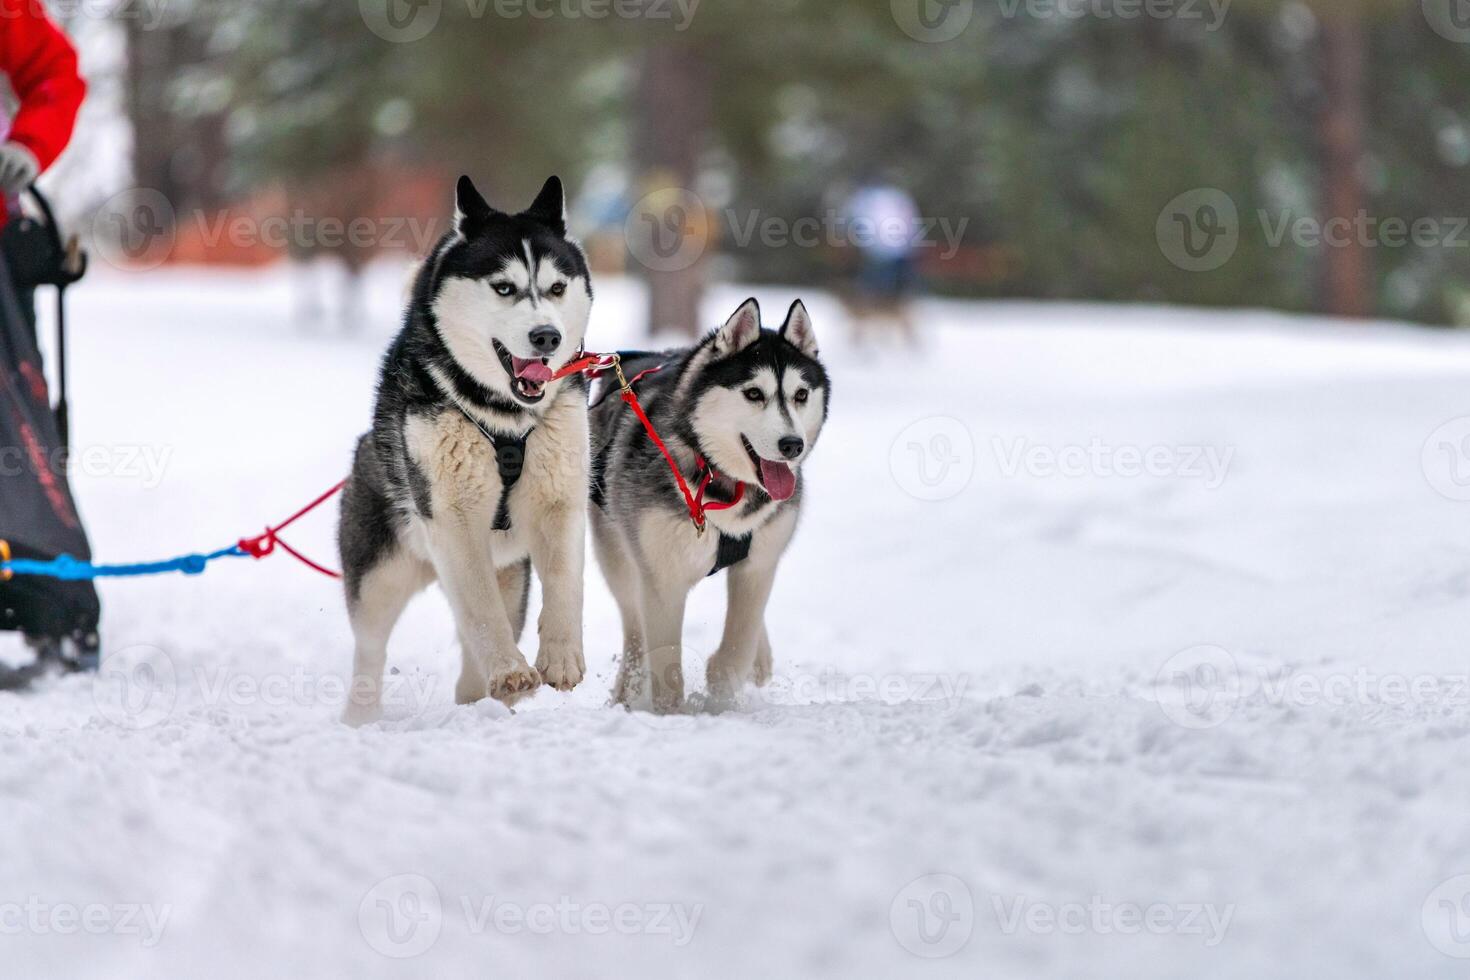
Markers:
point(760, 398)
point(513, 293)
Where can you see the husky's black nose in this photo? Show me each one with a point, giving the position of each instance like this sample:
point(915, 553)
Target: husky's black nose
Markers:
point(790, 446)
point(546, 339)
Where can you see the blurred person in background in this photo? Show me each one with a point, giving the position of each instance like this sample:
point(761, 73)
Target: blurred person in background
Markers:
point(883, 222)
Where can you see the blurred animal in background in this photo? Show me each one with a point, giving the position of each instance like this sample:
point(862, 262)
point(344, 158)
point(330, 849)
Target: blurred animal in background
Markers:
point(739, 412)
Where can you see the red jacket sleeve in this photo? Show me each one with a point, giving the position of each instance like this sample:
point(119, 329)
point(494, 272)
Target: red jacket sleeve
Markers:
point(42, 66)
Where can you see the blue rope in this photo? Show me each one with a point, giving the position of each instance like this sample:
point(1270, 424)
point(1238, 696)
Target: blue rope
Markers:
point(70, 569)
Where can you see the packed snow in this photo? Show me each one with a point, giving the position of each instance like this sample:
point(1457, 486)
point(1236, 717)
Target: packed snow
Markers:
point(1114, 642)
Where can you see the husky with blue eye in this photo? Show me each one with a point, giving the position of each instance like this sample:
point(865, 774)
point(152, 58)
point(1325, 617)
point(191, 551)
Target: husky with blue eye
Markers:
point(475, 469)
point(741, 409)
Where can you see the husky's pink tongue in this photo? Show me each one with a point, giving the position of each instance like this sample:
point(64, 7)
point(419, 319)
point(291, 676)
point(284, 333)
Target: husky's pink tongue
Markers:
point(778, 479)
point(531, 370)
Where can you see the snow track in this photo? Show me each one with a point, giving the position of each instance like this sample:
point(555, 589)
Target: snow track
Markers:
point(1055, 724)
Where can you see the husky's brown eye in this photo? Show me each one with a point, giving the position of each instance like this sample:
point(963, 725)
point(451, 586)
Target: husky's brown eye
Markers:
point(503, 288)
point(557, 289)
point(754, 394)
point(801, 396)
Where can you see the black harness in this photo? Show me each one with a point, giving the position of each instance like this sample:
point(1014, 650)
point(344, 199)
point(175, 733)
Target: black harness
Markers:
point(730, 551)
point(510, 459)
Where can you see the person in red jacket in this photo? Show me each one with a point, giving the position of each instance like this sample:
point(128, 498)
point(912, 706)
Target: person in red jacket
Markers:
point(41, 65)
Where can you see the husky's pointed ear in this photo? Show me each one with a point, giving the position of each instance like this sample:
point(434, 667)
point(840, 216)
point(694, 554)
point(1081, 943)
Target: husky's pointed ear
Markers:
point(741, 330)
point(798, 329)
point(550, 206)
point(471, 213)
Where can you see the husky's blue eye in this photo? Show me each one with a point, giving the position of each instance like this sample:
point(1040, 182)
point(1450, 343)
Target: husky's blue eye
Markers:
point(754, 394)
point(503, 289)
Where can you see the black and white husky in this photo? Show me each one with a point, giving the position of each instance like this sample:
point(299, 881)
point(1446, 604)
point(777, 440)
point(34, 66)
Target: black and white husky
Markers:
point(476, 466)
point(748, 404)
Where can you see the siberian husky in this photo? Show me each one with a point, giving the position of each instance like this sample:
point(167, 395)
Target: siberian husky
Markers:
point(476, 466)
point(748, 404)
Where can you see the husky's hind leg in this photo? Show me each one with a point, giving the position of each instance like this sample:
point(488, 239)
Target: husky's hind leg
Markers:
point(515, 589)
point(381, 595)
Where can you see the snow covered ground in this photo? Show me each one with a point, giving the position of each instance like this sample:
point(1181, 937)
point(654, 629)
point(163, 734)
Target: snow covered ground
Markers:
point(1116, 642)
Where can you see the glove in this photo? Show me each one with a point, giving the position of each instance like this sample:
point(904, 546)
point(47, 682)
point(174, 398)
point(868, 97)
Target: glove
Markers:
point(18, 168)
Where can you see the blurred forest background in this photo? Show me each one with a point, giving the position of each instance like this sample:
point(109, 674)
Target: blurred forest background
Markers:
point(1059, 130)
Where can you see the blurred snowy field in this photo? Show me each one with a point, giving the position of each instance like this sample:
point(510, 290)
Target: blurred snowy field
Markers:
point(1115, 642)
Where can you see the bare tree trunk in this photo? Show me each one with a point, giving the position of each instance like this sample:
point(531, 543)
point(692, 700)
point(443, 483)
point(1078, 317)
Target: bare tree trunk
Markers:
point(1347, 275)
point(153, 137)
point(673, 122)
point(185, 162)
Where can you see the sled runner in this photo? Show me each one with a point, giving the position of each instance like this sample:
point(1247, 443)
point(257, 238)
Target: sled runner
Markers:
point(38, 515)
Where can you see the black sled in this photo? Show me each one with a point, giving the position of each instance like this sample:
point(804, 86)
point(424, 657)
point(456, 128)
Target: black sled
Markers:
point(38, 515)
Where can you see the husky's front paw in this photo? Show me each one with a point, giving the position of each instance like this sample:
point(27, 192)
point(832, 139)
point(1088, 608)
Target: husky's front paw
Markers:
point(513, 683)
point(561, 665)
point(723, 677)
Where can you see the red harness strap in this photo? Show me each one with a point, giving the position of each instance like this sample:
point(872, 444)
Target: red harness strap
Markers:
point(694, 500)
